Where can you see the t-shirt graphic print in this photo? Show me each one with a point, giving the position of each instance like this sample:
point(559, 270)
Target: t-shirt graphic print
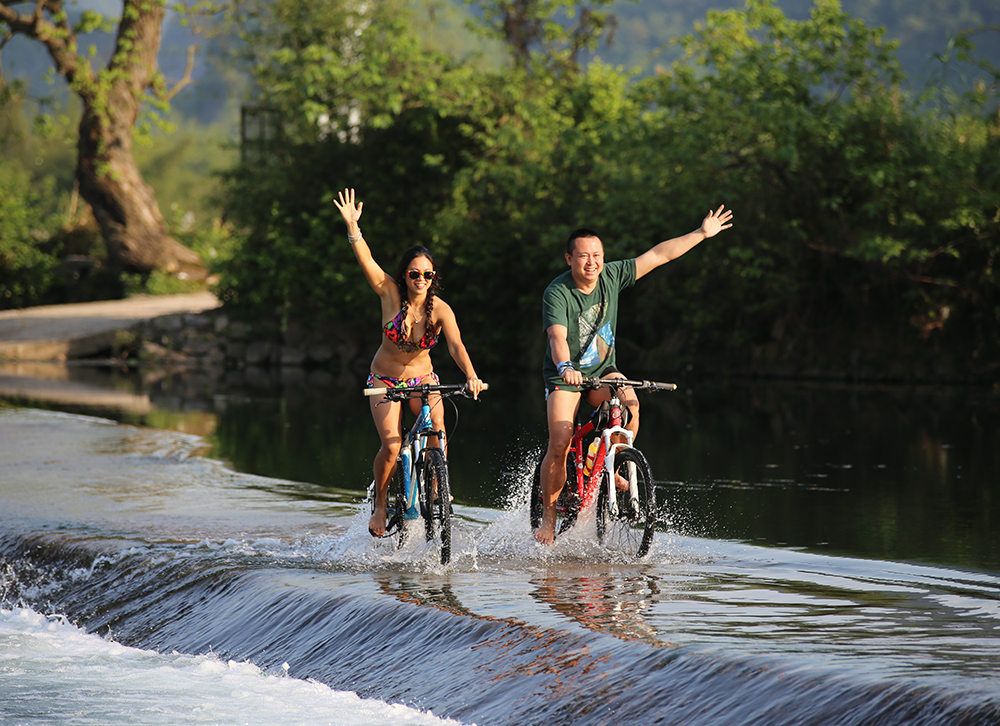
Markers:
point(602, 343)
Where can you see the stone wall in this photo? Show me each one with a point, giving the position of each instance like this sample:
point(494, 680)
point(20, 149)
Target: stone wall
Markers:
point(212, 339)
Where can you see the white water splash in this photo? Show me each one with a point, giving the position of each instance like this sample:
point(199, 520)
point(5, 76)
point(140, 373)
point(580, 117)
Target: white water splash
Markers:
point(53, 672)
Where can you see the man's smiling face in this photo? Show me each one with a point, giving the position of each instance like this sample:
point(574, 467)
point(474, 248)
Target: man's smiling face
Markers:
point(586, 261)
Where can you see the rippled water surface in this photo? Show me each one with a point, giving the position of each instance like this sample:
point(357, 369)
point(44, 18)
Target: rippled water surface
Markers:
point(832, 559)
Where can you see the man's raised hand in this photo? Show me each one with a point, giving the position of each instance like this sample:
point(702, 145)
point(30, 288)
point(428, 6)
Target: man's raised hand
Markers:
point(717, 221)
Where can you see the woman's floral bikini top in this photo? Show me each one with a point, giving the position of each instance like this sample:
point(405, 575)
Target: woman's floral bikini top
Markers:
point(394, 332)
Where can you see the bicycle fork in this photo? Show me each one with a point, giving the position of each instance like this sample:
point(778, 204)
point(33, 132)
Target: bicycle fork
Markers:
point(609, 468)
point(408, 455)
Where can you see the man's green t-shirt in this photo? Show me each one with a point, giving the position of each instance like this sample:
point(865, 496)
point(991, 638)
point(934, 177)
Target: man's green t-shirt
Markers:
point(564, 304)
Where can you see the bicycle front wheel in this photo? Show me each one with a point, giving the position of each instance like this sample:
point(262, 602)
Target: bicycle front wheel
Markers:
point(630, 528)
point(435, 500)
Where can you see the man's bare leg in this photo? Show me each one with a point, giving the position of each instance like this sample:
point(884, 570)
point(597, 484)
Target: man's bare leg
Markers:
point(560, 408)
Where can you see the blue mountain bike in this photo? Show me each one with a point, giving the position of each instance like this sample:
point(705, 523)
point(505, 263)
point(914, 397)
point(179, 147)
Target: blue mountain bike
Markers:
point(420, 488)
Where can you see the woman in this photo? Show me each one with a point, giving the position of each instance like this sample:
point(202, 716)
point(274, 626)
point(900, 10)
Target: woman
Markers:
point(413, 318)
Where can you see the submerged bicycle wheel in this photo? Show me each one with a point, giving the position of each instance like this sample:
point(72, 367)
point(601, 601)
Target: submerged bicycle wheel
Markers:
point(435, 500)
point(631, 529)
point(567, 506)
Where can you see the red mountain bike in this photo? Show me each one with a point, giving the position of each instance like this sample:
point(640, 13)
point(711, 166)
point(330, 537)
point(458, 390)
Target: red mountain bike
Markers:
point(613, 474)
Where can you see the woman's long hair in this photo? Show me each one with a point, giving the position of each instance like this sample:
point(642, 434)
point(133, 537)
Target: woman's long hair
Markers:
point(404, 266)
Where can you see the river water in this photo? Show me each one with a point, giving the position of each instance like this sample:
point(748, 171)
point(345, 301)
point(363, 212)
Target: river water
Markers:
point(193, 549)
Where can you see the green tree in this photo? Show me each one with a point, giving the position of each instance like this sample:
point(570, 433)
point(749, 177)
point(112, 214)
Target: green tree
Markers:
point(111, 98)
point(553, 33)
point(866, 220)
point(25, 269)
point(856, 207)
point(362, 103)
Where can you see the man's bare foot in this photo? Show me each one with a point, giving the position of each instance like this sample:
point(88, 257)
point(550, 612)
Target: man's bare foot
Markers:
point(546, 532)
point(376, 525)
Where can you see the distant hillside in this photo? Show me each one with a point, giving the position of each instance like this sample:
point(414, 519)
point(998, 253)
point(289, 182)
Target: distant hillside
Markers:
point(922, 27)
point(640, 40)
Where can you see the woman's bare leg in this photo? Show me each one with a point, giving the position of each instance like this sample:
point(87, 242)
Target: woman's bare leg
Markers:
point(389, 424)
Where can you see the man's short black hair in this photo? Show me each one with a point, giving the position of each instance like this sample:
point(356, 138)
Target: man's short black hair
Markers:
point(578, 234)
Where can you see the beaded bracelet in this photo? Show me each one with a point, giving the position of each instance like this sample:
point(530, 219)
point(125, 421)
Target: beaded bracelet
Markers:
point(352, 238)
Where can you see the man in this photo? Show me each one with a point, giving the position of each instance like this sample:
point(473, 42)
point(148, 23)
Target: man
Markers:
point(579, 316)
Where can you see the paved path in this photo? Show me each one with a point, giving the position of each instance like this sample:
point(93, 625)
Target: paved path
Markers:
point(64, 332)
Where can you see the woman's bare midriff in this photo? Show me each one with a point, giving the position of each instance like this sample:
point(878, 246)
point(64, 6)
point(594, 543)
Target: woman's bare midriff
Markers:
point(389, 360)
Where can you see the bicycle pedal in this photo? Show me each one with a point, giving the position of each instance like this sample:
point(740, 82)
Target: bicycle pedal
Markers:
point(393, 522)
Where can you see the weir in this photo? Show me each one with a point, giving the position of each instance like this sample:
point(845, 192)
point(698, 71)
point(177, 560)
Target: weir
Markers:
point(129, 533)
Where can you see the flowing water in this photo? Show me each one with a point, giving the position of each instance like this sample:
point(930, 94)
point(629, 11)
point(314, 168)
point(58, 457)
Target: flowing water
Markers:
point(196, 551)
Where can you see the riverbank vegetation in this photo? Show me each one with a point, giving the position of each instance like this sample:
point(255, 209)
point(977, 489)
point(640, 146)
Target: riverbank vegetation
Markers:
point(867, 225)
point(867, 213)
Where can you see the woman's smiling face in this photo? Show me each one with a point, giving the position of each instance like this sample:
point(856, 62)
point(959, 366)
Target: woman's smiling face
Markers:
point(420, 265)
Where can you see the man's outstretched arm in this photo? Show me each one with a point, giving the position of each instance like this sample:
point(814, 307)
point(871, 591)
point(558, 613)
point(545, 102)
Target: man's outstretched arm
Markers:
point(671, 249)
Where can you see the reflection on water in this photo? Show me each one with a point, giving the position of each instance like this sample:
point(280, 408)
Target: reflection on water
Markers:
point(602, 601)
point(901, 473)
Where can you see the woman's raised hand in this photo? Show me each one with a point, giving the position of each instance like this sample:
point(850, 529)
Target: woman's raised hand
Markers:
point(345, 203)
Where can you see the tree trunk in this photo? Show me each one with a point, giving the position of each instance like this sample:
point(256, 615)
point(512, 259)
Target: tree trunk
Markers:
point(124, 204)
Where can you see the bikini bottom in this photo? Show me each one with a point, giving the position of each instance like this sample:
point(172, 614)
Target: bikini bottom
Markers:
point(393, 382)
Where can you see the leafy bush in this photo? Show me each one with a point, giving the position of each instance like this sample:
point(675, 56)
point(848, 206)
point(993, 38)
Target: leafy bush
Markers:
point(26, 270)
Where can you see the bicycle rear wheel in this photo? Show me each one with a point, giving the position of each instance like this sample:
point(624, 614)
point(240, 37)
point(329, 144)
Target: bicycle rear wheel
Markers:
point(631, 529)
point(435, 500)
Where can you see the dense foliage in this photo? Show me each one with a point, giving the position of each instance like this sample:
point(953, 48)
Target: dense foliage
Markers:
point(866, 221)
point(25, 269)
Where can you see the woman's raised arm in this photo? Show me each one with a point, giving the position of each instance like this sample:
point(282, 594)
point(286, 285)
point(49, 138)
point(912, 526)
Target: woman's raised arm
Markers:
point(377, 278)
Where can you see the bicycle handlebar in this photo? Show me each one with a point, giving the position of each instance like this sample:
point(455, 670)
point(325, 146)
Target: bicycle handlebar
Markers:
point(592, 383)
point(453, 389)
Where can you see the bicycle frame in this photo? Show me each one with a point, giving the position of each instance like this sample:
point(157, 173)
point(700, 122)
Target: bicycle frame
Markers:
point(625, 518)
point(604, 459)
point(414, 443)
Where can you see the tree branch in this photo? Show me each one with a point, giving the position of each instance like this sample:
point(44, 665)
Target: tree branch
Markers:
point(58, 38)
point(186, 79)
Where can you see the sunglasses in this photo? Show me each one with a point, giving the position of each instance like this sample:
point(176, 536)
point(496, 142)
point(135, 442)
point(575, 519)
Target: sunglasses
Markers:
point(416, 274)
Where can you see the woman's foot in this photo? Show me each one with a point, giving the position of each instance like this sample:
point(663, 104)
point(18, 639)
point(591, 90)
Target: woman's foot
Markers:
point(376, 525)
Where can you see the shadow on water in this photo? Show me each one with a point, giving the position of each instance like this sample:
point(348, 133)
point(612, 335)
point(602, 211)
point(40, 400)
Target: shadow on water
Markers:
point(889, 472)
